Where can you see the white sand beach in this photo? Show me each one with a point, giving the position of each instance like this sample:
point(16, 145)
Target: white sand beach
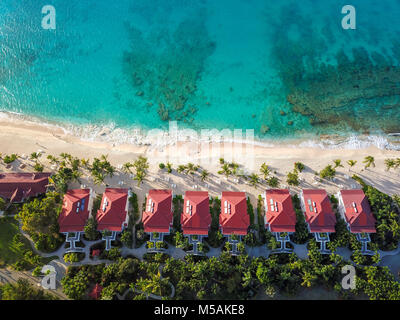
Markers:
point(23, 138)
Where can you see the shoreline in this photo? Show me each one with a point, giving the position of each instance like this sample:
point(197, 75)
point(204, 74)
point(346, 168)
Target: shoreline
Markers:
point(24, 138)
point(136, 136)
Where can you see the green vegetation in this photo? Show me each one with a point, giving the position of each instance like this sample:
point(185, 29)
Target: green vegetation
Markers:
point(265, 170)
point(204, 175)
point(351, 163)
point(126, 238)
point(74, 257)
point(177, 203)
point(38, 167)
point(116, 278)
point(250, 212)
point(90, 229)
point(68, 171)
point(273, 182)
point(254, 179)
point(392, 163)
point(23, 290)
point(169, 167)
point(141, 165)
point(8, 159)
point(328, 173)
point(14, 247)
point(293, 178)
point(298, 166)
point(215, 238)
point(301, 235)
point(225, 170)
point(39, 219)
point(134, 205)
point(369, 161)
point(260, 218)
point(101, 169)
point(338, 163)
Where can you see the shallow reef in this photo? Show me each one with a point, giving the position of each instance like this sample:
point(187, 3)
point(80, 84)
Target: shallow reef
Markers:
point(165, 65)
point(360, 90)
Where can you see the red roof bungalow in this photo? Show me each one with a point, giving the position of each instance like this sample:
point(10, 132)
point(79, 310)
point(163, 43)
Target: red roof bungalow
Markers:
point(75, 210)
point(318, 211)
point(113, 212)
point(234, 218)
point(16, 187)
point(158, 214)
point(196, 218)
point(279, 212)
point(355, 209)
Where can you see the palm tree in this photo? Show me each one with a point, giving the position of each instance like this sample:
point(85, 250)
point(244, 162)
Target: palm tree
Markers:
point(234, 167)
point(204, 175)
point(35, 156)
point(98, 178)
point(85, 163)
point(351, 163)
point(390, 163)
point(225, 170)
point(65, 156)
point(110, 170)
point(338, 163)
point(52, 159)
point(126, 167)
point(181, 168)
point(265, 170)
point(254, 179)
point(191, 169)
point(169, 167)
point(139, 177)
point(369, 161)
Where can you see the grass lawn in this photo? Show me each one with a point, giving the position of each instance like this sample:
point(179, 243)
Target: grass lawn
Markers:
point(10, 251)
point(13, 250)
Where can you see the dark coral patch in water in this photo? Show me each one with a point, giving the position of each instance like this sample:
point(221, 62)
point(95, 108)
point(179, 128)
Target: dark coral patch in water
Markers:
point(165, 67)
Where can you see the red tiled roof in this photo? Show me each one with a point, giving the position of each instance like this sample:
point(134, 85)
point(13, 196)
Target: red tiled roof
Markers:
point(324, 219)
point(158, 214)
point(280, 214)
point(19, 186)
point(234, 218)
point(96, 252)
point(74, 213)
point(115, 212)
point(96, 292)
point(198, 221)
point(360, 218)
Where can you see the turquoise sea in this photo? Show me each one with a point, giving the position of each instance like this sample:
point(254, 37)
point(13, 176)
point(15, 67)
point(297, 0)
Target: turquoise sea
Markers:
point(286, 69)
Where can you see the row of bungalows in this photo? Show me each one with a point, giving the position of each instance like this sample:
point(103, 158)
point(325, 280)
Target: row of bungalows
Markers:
point(280, 218)
point(112, 217)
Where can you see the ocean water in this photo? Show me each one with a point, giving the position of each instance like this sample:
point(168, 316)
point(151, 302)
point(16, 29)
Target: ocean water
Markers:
point(286, 69)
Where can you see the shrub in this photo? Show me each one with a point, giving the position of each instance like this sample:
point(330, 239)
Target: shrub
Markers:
point(293, 178)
